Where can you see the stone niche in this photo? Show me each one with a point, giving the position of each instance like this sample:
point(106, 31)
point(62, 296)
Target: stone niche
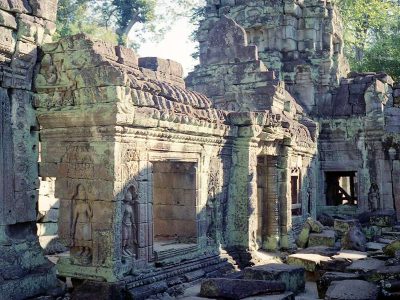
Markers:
point(174, 203)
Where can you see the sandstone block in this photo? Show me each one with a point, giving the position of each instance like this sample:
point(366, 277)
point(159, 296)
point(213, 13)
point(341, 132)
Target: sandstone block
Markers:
point(325, 281)
point(354, 239)
point(326, 238)
point(238, 288)
point(292, 276)
point(302, 239)
point(342, 226)
point(310, 262)
point(352, 289)
point(383, 218)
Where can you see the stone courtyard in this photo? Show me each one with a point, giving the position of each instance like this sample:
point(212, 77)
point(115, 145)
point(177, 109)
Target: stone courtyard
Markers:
point(270, 172)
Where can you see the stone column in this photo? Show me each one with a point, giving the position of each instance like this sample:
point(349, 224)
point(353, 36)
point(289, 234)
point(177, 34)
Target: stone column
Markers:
point(285, 200)
point(242, 223)
point(271, 227)
point(24, 271)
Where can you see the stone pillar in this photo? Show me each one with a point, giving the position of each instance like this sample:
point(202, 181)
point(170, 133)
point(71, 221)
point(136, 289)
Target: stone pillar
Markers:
point(271, 227)
point(24, 271)
point(242, 221)
point(285, 200)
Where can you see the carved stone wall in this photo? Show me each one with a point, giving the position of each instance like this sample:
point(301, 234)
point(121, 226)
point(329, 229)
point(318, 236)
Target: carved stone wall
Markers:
point(358, 134)
point(24, 25)
point(302, 41)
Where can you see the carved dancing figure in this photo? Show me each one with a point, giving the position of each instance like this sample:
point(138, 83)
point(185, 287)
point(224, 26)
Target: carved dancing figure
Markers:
point(374, 199)
point(82, 222)
point(129, 230)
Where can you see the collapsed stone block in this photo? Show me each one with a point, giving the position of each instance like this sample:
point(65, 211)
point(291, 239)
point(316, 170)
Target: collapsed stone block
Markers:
point(352, 289)
point(292, 276)
point(238, 288)
point(326, 238)
point(354, 239)
point(325, 281)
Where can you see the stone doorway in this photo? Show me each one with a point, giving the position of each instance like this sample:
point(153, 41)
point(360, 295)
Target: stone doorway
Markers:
point(341, 188)
point(174, 206)
point(267, 203)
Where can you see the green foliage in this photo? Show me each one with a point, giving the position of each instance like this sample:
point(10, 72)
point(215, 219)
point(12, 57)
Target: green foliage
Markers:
point(371, 34)
point(113, 20)
point(77, 16)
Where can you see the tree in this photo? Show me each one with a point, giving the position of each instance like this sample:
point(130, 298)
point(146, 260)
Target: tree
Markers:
point(371, 29)
point(113, 20)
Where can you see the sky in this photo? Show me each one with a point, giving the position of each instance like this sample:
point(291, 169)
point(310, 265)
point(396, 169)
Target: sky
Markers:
point(175, 45)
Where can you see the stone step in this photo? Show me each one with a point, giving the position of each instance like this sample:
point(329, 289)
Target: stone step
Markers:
point(396, 228)
point(373, 246)
point(385, 240)
point(392, 234)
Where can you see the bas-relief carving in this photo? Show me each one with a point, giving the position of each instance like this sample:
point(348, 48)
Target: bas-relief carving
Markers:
point(130, 244)
point(82, 242)
point(374, 198)
point(212, 206)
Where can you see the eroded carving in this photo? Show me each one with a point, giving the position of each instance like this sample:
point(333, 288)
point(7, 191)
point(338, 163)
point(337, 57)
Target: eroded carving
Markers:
point(129, 225)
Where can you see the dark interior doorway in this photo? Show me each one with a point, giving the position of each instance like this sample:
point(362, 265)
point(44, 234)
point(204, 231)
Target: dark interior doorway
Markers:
point(341, 188)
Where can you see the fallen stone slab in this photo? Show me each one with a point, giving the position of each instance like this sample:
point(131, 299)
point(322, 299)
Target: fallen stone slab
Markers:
point(284, 296)
point(352, 289)
point(302, 239)
point(321, 250)
point(354, 239)
point(391, 249)
point(385, 273)
point(383, 218)
point(325, 238)
point(325, 281)
point(365, 266)
point(335, 265)
point(342, 226)
point(310, 262)
point(238, 288)
point(326, 220)
point(373, 246)
point(351, 255)
point(316, 226)
point(292, 276)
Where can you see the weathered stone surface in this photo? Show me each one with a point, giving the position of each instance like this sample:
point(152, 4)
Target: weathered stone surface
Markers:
point(392, 248)
point(238, 288)
point(325, 281)
point(342, 226)
point(293, 277)
point(310, 262)
point(352, 289)
point(383, 218)
point(354, 239)
point(365, 266)
point(316, 226)
point(326, 238)
point(302, 239)
point(326, 219)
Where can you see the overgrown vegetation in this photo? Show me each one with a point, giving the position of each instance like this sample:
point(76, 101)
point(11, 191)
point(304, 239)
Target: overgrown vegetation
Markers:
point(372, 41)
point(115, 20)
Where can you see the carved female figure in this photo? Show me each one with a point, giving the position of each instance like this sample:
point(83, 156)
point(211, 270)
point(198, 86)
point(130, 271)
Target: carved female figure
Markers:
point(374, 199)
point(81, 222)
point(129, 230)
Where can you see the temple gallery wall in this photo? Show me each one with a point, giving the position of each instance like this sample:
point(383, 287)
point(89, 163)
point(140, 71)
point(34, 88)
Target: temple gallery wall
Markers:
point(150, 180)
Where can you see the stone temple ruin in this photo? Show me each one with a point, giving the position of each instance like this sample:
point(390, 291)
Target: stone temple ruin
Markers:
point(152, 182)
